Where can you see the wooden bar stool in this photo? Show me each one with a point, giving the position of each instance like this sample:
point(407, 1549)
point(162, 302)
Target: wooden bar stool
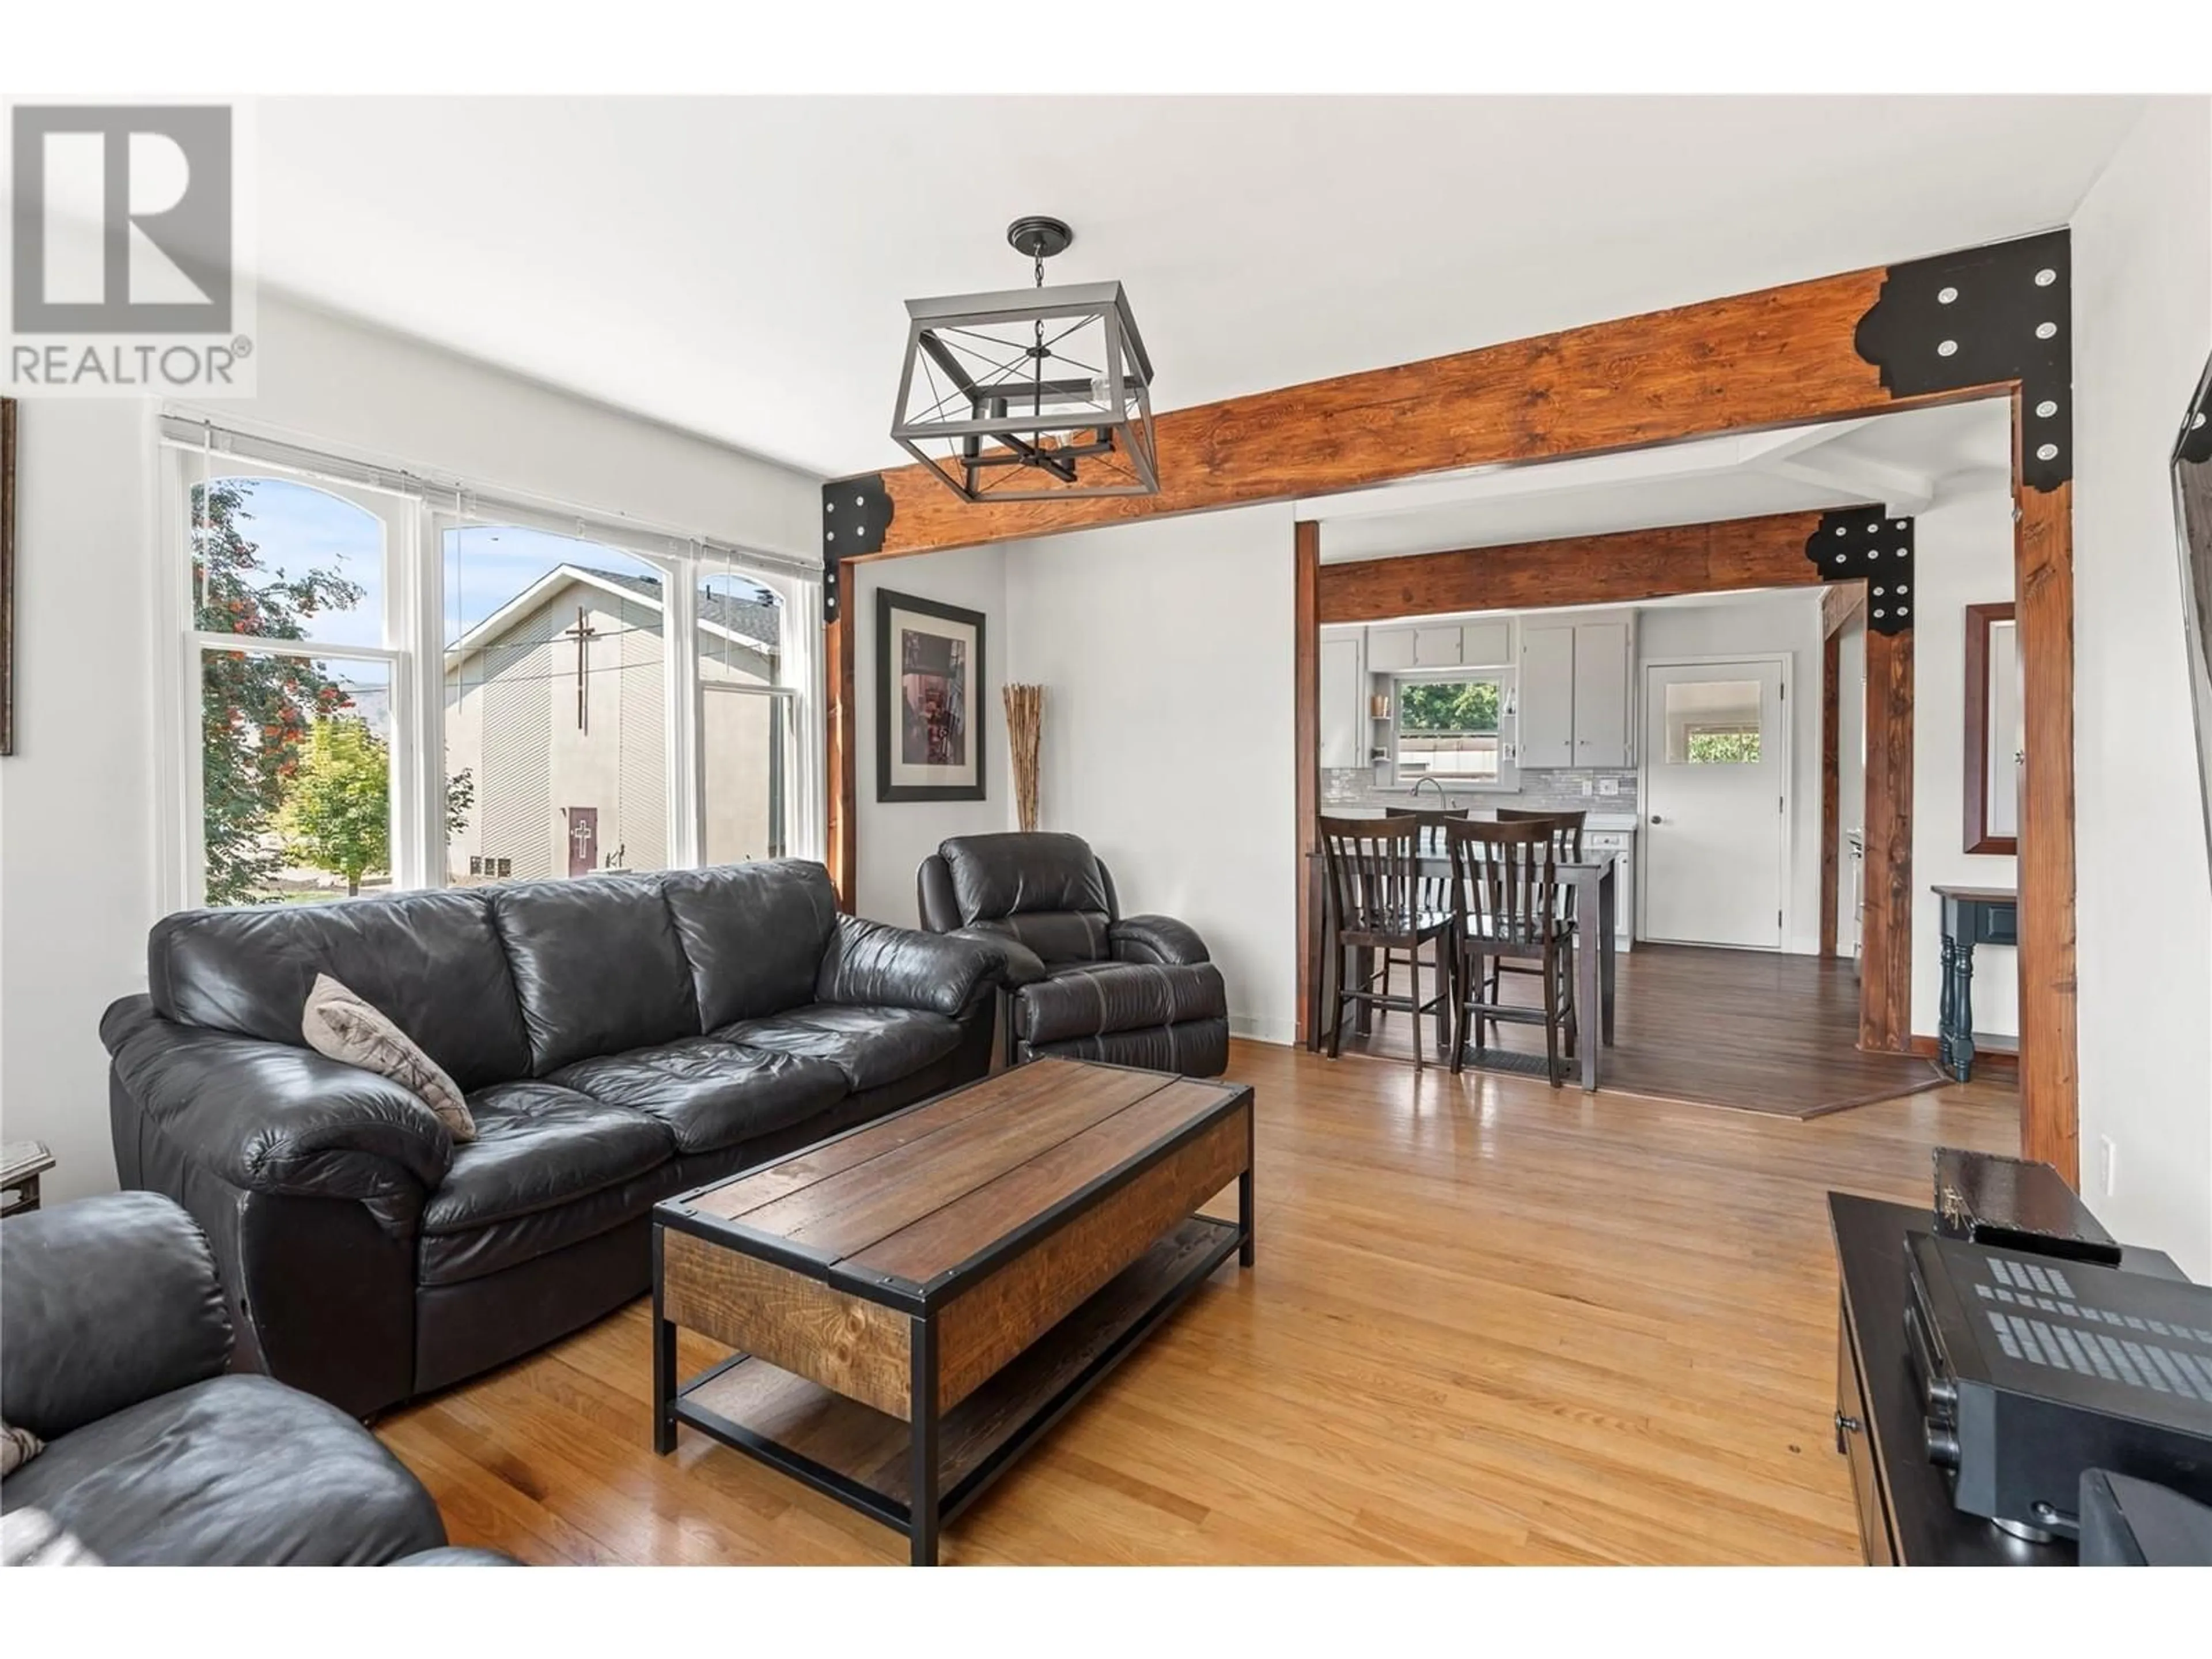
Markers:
point(1566, 848)
point(1375, 905)
point(1505, 895)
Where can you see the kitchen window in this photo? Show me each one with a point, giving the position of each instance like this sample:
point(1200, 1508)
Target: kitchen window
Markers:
point(1456, 728)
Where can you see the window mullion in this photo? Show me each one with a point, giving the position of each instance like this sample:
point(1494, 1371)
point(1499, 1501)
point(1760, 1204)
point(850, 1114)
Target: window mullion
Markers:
point(686, 764)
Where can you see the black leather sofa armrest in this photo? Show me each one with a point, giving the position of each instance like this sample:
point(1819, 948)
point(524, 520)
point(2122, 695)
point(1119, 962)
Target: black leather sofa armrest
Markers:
point(270, 1118)
point(870, 965)
point(1022, 965)
point(105, 1302)
point(1157, 939)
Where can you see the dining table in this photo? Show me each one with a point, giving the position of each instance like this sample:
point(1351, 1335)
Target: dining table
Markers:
point(1589, 878)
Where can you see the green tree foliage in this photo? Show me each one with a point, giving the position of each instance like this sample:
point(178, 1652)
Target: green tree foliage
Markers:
point(1448, 705)
point(257, 710)
point(337, 814)
point(1725, 748)
point(460, 799)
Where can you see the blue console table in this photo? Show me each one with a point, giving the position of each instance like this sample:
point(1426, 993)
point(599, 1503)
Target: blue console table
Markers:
point(1972, 916)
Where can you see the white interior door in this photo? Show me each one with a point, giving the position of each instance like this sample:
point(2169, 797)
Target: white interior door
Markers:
point(1715, 805)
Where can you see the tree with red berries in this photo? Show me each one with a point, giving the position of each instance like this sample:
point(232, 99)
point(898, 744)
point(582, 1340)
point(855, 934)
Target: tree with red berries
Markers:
point(258, 710)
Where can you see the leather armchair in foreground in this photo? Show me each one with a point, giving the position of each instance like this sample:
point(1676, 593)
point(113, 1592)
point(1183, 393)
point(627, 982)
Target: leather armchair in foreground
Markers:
point(115, 1350)
point(619, 1038)
point(1088, 982)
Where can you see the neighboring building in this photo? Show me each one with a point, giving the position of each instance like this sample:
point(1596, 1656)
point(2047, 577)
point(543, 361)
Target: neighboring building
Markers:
point(557, 705)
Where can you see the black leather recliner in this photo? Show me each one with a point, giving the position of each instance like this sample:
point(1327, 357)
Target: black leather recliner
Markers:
point(114, 1349)
point(1088, 982)
point(619, 1038)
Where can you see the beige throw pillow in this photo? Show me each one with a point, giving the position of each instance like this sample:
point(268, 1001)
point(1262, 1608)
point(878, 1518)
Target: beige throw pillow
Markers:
point(338, 1023)
point(17, 1448)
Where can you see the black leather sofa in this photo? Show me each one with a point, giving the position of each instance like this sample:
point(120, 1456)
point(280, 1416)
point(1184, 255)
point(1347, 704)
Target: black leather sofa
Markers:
point(1088, 982)
point(115, 1346)
point(619, 1038)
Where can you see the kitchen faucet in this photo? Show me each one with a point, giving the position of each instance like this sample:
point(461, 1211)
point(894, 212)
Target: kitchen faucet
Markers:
point(1442, 800)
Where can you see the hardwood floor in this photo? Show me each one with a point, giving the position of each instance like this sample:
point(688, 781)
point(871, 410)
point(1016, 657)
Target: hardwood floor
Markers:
point(1758, 1030)
point(1490, 1323)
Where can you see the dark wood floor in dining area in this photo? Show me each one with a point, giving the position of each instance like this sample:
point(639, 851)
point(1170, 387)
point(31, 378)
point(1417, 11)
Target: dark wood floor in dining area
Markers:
point(1757, 1031)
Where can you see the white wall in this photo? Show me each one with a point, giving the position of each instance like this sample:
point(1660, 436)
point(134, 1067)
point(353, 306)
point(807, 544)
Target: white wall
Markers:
point(76, 798)
point(1165, 650)
point(1765, 624)
point(78, 848)
point(2143, 318)
point(361, 391)
point(1962, 555)
point(894, 837)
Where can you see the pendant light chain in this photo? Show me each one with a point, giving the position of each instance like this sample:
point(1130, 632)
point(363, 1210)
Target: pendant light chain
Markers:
point(1036, 398)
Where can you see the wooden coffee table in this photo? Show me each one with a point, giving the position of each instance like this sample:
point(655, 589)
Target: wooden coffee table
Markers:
point(914, 1302)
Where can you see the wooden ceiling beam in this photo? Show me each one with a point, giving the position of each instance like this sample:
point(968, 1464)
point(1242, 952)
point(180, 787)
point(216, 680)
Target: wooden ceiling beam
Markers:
point(1778, 357)
point(1619, 568)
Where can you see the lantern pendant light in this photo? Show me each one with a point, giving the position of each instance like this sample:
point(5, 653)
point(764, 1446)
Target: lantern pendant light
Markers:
point(1030, 394)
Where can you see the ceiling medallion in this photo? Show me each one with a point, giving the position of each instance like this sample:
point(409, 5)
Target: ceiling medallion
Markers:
point(1030, 393)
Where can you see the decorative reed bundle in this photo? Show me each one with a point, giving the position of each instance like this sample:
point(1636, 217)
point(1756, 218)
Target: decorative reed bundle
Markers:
point(1024, 731)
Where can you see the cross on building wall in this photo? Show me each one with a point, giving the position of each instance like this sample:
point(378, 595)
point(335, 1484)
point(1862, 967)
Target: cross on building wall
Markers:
point(583, 633)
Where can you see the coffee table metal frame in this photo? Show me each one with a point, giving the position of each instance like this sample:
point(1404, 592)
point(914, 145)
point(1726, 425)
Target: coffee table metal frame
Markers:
point(928, 1511)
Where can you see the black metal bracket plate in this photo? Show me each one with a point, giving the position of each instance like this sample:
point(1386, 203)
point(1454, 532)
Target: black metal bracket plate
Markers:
point(1864, 543)
point(856, 512)
point(1980, 316)
point(2196, 445)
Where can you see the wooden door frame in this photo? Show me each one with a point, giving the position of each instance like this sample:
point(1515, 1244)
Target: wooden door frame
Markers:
point(1775, 550)
point(1838, 605)
point(1986, 322)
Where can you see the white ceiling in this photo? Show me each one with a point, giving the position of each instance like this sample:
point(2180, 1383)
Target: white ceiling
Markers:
point(737, 266)
point(1901, 460)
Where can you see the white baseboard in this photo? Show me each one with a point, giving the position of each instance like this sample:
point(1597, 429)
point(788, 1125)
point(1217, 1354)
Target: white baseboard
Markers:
point(1259, 1028)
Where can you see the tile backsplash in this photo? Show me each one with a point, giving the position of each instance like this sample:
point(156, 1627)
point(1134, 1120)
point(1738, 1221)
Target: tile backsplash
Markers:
point(1541, 790)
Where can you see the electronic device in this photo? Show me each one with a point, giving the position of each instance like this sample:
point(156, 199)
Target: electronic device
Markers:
point(2033, 1370)
point(2133, 1524)
point(2016, 1205)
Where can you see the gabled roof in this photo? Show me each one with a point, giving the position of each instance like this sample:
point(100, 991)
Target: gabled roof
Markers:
point(751, 624)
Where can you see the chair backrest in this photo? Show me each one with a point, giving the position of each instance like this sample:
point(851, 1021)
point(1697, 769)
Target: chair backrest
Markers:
point(1374, 875)
point(1047, 892)
point(1503, 879)
point(1566, 829)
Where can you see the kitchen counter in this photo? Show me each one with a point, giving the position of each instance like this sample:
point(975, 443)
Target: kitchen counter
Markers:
point(1621, 824)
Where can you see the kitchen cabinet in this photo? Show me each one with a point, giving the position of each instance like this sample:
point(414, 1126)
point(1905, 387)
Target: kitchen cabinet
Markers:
point(1575, 687)
point(1486, 644)
point(1343, 699)
point(1435, 648)
point(1389, 649)
point(1547, 696)
point(1602, 694)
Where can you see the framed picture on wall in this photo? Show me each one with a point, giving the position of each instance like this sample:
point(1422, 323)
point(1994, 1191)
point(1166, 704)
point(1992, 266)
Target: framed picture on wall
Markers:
point(929, 708)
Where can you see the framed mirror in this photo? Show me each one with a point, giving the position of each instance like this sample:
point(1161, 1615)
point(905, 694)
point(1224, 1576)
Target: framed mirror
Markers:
point(1996, 747)
point(2192, 506)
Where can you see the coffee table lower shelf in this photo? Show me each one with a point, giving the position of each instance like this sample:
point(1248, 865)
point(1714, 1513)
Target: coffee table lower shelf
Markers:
point(860, 1455)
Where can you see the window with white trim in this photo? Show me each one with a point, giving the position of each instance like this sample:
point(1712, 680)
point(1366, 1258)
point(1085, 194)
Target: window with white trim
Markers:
point(388, 682)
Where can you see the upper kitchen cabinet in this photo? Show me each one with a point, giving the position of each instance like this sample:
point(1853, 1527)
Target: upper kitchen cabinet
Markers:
point(1601, 681)
point(1437, 648)
point(1575, 687)
point(1547, 696)
point(1389, 649)
point(1343, 698)
point(1486, 644)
